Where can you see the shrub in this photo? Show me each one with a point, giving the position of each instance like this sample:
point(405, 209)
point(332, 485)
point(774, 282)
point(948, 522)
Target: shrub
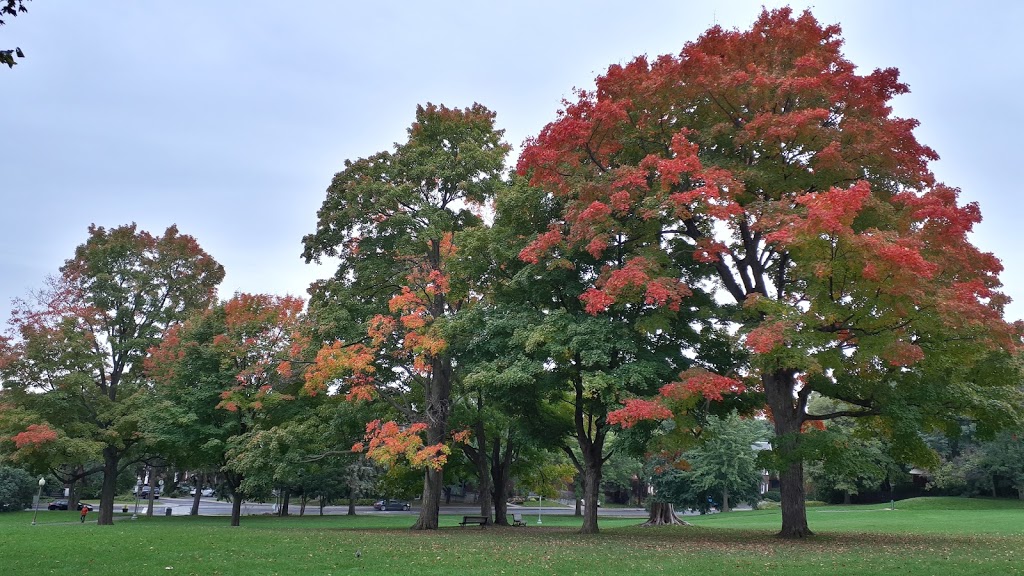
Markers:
point(17, 487)
point(772, 496)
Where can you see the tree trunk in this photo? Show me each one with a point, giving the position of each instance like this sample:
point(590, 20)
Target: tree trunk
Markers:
point(236, 508)
point(579, 507)
point(302, 505)
point(500, 466)
point(725, 500)
point(788, 413)
point(483, 472)
point(195, 499)
point(152, 493)
point(432, 482)
point(438, 393)
point(664, 514)
point(111, 458)
point(591, 494)
point(286, 499)
point(846, 497)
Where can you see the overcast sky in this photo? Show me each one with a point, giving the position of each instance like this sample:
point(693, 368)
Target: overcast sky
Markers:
point(229, 117)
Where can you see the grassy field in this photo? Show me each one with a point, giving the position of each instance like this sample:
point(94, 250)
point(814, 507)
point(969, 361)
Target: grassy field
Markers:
point(925, 536)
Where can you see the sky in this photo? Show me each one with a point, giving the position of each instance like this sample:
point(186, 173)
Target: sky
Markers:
point(229, 118)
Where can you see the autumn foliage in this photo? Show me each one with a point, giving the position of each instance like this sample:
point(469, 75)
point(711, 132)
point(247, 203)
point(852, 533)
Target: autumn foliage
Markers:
point(763, 157)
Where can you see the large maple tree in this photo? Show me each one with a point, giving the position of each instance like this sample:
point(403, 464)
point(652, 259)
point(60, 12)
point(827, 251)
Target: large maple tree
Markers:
point(74, 359)
point(783, 170)
point(393, 221)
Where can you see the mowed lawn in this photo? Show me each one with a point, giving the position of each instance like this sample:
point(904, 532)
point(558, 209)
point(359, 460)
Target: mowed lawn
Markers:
point(940, 536)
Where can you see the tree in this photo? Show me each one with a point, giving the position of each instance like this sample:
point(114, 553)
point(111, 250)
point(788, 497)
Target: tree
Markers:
point(75, 358)
point(11, 8)
point(17, 488)
point(222, 373)
point(765, 156)
point(393, 220)
point(725, 463)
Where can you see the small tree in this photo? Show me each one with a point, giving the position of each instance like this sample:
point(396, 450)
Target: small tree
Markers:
point(17, 487)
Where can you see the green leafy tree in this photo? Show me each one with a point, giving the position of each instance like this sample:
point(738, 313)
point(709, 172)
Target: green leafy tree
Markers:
point(393, 221)
point(725, 462)
point(74, 360)
point(17, 488)
point(225, 374)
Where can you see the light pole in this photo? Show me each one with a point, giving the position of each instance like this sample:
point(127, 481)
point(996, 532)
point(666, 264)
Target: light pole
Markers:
point(42, 482)
point(540, 509)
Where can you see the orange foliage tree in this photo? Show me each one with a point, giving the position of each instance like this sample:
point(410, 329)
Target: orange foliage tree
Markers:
point(393, 220)
point(223, 372)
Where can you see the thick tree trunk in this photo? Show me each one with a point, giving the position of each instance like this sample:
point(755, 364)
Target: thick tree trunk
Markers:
point(432, 483)
point(302, 505)
point(591, 495)
point(664, 514)
point(846, 497)
point(579, 507)
point(725, 500)
point(788, 413)
point(438, 395)
point(108, 490)
point(351, 503)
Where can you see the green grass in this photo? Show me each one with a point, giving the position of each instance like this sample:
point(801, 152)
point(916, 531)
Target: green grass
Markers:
point(928, 536)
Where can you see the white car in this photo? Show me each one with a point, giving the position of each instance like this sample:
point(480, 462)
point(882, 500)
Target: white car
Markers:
point(207, 492)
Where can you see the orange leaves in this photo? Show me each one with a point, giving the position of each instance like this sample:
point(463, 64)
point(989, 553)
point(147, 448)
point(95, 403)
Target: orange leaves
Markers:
point(336, 360)
point(34, 435)
point(387, 443)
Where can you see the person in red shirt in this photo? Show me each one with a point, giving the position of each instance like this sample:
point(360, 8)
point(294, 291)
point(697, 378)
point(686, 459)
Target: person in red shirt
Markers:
point(85, 510)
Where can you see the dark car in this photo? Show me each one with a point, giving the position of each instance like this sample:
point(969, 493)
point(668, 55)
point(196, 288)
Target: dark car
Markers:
point(391, 505)
point(144, 493)
point(63, 505)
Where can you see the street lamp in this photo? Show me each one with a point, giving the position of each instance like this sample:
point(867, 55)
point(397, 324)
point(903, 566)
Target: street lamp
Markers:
point(42, 482)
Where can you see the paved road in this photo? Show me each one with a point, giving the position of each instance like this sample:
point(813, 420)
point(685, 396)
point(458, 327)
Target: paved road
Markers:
point(214, 507)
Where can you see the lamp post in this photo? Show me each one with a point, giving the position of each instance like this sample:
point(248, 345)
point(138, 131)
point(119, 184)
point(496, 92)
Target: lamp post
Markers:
point(42, 482)
point(540, 509)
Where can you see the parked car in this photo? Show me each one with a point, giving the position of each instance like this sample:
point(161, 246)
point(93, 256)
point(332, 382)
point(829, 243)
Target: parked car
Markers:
point(63, 505)
point(144, 492)
point(207, 492)
point(391, 505)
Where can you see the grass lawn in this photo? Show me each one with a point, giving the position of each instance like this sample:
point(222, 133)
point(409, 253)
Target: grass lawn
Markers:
point(925, 536)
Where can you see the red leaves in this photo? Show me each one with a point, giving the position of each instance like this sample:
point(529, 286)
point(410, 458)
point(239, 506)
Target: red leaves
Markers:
point(766, 337)
point(33, 435)
point(694, 384)
point(636, 410)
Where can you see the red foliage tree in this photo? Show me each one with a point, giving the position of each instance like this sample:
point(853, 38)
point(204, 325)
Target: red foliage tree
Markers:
point(784, 171)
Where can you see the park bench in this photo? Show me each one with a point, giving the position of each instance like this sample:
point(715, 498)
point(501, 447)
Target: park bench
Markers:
point(517, 520)
point(481, 520)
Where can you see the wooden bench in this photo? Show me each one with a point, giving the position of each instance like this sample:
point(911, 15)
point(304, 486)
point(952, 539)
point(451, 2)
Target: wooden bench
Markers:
point(481, 520)
point(517, 520)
